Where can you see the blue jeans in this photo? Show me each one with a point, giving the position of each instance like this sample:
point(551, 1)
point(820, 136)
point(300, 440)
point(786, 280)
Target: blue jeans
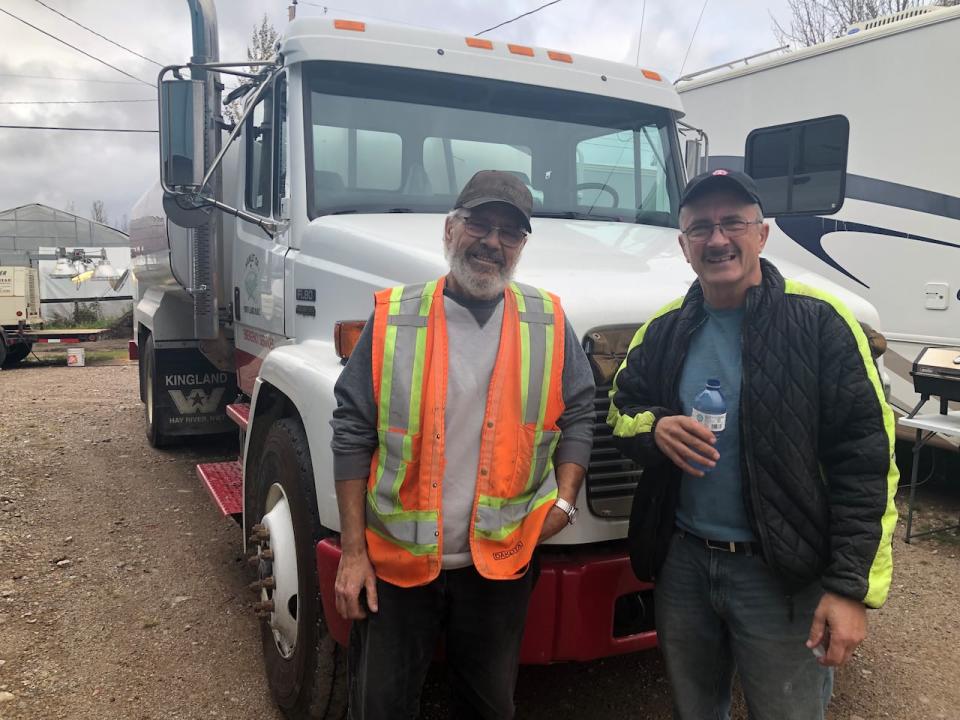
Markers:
point(718, 611)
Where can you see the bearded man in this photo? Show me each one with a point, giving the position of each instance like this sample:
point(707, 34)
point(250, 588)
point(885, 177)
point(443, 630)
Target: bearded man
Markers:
point(463, 430)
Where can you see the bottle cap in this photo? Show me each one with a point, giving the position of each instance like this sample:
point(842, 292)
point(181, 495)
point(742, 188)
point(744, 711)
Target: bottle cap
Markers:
point(713, 384)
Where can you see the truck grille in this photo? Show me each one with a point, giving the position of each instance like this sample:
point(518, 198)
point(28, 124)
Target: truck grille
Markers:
point(611, 478)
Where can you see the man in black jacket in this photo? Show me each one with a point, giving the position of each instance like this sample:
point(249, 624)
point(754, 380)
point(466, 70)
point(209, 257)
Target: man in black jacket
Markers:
point(769, 535)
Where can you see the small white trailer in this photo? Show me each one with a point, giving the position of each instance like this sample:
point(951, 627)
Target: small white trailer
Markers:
point(865, 121)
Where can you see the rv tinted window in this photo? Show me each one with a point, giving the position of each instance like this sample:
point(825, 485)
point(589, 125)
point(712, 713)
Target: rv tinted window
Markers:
point(259, 155)
point(800, 167)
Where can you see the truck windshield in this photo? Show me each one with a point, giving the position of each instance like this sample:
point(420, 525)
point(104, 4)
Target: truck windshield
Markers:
point(386, 139)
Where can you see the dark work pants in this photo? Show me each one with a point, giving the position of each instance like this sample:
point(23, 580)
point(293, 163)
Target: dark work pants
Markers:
point(482, 622)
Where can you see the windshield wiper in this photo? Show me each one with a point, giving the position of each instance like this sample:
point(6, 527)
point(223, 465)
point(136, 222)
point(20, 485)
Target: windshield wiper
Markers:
point(575, 215)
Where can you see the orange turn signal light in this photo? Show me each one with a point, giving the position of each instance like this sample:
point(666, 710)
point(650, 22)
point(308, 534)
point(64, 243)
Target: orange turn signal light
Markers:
point(559, 56)
point(651, 75)
point(479, 43)
point(354, 25)
point(346, 333)
point(520, 50)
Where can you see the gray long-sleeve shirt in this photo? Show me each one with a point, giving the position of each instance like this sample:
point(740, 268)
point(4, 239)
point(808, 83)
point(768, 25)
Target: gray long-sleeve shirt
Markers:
point(474, 331)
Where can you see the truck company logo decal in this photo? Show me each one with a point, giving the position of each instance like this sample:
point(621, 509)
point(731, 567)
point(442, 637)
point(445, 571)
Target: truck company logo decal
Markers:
point(195, 379)
point(196, 401)
point(251, 284)
point(260, 339)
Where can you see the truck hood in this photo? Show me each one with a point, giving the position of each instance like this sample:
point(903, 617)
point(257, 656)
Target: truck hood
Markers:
point(604, 272)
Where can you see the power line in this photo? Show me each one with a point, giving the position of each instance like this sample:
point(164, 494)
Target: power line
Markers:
point(74, 47)
point(643, 12)
point(74, 129)
point(696, 27)
point(507, 22)
point(69, 79)
point(70, 102)
point(91, 30)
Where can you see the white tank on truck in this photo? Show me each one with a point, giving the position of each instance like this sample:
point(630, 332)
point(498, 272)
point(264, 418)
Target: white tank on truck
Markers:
point(258, 255)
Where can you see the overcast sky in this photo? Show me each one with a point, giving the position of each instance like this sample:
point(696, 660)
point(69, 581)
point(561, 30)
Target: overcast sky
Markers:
point(60, 168)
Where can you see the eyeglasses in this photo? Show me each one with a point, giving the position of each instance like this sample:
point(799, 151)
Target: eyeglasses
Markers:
point(510, 237)
point(732, 228)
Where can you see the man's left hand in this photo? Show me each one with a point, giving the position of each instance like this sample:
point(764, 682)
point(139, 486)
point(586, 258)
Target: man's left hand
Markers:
point(556, 521)
point(841, 625)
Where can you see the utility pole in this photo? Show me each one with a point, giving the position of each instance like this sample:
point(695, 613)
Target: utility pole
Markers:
point(292, 10)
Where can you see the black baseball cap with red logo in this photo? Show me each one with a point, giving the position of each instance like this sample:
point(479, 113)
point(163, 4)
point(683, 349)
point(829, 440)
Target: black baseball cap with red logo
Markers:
point(721, 179)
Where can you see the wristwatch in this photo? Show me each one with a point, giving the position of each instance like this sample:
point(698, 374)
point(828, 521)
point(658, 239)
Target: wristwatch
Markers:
point(569, 509)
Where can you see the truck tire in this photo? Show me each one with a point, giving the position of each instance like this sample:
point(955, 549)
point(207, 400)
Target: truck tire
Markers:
point(16, 353)
point(306, 668)
point(3, 351)
point(151, 383)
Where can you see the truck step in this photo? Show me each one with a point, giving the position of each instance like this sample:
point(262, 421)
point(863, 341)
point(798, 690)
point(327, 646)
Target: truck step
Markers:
point(224, 482)
point(240, 414)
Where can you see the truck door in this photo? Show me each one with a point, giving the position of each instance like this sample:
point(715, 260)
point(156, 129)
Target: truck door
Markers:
point(257, 258)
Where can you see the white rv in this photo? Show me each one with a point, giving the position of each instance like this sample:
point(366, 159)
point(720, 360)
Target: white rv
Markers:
point(866, 120)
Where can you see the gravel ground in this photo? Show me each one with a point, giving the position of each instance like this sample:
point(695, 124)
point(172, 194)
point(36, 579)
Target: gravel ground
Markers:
point(123, 592)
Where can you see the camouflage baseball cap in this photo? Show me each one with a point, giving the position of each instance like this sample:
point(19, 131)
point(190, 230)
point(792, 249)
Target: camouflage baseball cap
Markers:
point(489, 186)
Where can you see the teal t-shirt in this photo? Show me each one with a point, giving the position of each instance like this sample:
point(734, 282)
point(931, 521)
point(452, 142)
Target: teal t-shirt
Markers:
point(712, 506)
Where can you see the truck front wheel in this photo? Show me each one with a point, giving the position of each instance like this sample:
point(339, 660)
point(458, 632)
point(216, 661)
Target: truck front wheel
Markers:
point(306, 669)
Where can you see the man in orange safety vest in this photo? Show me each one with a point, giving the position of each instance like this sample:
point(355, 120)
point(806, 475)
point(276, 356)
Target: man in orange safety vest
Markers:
point(463, 430)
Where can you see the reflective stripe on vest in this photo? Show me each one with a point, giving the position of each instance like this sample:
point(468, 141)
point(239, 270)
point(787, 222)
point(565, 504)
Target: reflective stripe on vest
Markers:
point(399, 420)
point(498, 517)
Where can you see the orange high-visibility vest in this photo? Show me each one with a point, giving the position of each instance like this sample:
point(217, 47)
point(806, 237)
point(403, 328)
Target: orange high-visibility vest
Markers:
point(515, 488)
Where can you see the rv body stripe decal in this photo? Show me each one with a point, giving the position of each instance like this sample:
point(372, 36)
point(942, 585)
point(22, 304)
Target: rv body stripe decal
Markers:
point(808, 233)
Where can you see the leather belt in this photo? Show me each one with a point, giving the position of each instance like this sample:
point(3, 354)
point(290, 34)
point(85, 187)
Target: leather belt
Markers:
point(731, 546)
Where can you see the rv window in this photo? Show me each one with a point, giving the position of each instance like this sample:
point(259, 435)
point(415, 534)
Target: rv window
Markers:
point(259, 151)
point(800, 168)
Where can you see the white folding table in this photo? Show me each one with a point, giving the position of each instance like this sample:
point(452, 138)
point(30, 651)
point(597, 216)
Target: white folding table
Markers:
point(928, 425)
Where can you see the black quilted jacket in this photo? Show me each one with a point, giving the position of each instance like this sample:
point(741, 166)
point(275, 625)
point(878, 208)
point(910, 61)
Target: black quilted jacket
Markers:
point(816, 437)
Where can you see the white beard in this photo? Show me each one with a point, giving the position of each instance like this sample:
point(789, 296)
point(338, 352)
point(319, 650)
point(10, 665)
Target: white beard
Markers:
point(481, 285)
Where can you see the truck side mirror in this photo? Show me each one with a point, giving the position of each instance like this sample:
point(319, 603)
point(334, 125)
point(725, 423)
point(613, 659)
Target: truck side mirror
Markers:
point(181, 133)
point(692, 155)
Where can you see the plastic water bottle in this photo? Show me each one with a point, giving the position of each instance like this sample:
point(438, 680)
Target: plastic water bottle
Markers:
point(710, 410)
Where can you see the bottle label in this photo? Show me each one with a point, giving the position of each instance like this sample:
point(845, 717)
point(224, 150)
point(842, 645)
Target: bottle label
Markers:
point(713, 423)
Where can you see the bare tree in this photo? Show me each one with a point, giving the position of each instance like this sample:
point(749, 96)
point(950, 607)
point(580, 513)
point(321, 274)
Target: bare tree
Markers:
point(815, 21)
point(263, 46)
point(98, 212)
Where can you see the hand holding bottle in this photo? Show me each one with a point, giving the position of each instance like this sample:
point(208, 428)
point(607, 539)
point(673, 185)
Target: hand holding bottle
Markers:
point(687, 443)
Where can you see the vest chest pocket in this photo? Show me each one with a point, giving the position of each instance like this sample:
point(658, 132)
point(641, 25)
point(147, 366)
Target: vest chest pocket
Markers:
point(534, 457)
point(398, 468)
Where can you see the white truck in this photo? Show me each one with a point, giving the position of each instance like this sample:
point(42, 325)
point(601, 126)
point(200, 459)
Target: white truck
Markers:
point(870, 198)
point(256, 263)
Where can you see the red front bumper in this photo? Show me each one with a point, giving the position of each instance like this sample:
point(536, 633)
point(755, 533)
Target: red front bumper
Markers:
point(572, 611)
